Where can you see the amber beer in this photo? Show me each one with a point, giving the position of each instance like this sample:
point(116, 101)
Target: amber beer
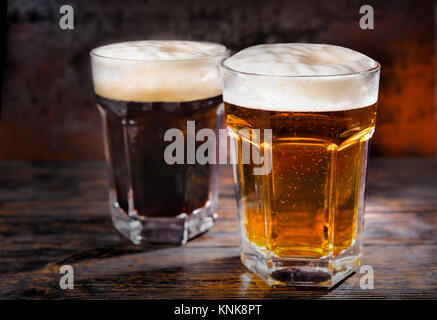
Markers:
point(301, 223)
point(317, 161)
point(143, 89)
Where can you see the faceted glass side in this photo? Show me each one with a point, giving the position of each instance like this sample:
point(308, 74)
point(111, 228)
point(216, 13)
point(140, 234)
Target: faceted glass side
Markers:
point(287, 253)
point(151, 201)
point(301, 224)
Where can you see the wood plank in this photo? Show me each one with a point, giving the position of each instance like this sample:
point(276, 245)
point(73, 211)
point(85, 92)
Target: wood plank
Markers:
point(43, 232)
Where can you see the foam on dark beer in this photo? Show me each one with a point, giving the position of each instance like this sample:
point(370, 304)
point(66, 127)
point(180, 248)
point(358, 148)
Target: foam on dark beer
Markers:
point(157, 71)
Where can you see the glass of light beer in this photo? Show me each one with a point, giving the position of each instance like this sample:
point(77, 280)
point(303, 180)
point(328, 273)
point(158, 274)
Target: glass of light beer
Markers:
point(143, 89)
point(308, 112)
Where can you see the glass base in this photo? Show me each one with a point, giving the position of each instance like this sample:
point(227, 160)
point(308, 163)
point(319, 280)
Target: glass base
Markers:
point(172, 230)
point(301, 272)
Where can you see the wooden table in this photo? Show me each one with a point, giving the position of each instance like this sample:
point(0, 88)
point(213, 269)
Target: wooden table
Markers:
point(57, 214)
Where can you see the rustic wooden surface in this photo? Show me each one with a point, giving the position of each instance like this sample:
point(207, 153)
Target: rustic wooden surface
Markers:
point(56, 214)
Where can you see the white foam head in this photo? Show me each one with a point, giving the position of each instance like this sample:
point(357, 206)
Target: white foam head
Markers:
point(165, 71)
point(300, 77)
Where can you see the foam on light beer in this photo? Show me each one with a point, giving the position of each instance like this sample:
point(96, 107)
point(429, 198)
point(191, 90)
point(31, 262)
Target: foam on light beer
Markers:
point(300, 77)
point(151, 71)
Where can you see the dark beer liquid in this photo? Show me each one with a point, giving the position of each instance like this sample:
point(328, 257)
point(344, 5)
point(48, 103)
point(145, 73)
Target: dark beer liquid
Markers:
point(142, 181)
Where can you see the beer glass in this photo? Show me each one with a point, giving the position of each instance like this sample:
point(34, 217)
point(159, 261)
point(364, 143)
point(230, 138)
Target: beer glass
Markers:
point(304, 114)
point(144, 89)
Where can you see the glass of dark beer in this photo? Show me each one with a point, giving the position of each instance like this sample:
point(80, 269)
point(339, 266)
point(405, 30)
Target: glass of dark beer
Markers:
point(310, 111)
point(143, 89)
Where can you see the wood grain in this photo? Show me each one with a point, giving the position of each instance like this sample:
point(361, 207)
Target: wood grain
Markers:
point(56, 214)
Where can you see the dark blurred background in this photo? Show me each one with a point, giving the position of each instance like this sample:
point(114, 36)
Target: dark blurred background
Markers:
point(48, 106)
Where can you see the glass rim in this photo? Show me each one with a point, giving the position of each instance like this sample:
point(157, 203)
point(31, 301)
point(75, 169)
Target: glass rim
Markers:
point(224, 54)
point(376, 68)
